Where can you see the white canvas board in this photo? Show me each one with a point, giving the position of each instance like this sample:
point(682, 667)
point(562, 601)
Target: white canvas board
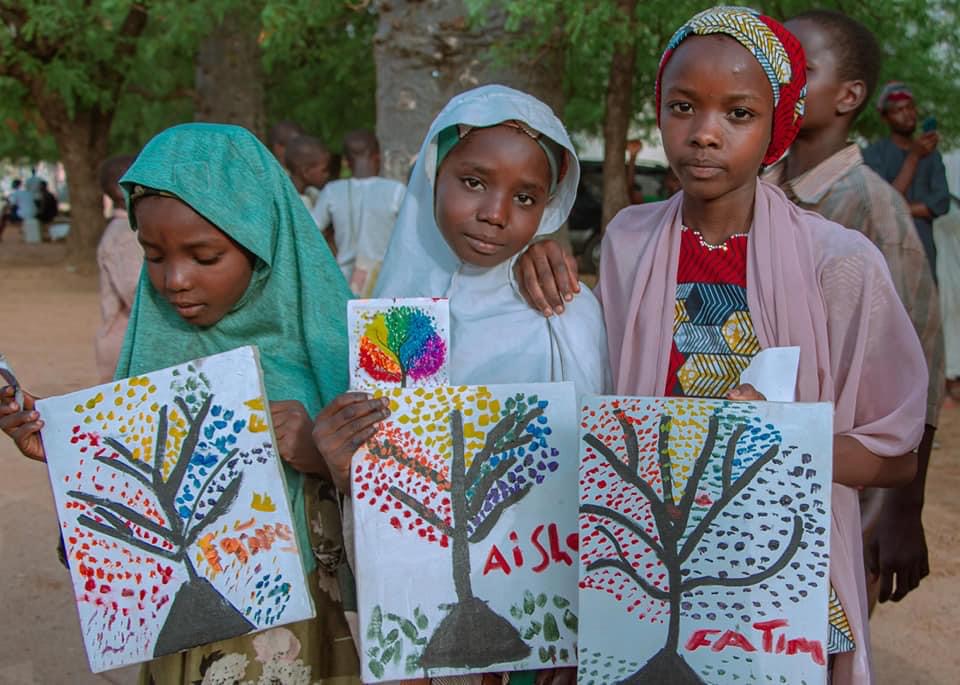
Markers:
point(704, 539)
point(465, 520)
point(173, 509)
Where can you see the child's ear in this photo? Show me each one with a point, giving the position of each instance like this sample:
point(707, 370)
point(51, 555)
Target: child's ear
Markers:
point(850, 96)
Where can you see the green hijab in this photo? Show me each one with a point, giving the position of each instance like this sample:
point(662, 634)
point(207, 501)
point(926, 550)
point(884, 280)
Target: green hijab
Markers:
point(294, 309)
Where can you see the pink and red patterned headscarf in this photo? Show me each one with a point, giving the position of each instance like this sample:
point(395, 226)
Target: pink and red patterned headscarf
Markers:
point(777, 50)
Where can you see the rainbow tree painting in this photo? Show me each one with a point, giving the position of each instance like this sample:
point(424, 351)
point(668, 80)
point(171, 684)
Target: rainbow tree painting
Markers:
point(704, 533)
point(398, 343)
point(173, 510)
point(465, 517)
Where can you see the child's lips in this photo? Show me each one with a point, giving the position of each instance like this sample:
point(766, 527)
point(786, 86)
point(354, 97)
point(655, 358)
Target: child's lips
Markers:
point(482, 244)
point(703, 170)
point(187, 310)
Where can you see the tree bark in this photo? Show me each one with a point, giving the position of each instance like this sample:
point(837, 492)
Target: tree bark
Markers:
point(229, 73)
point(616, 120)
point(81, 135)
point(82, 141)
point(425, 53)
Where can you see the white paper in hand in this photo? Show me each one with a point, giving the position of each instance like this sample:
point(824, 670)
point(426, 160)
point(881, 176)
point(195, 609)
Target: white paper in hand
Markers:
point(773, 372)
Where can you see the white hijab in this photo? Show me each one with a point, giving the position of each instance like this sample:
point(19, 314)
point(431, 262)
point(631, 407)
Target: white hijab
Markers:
point(496, 336)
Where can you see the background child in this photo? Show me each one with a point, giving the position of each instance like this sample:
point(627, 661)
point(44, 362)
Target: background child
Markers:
point(308, 161)
point(825, 173)
point(804, 280)
point(496, 169)
point(264, 278)
point(119, 258)
point(358, 213)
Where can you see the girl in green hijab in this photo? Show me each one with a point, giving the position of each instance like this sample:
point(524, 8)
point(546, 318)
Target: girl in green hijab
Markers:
point(233, 258)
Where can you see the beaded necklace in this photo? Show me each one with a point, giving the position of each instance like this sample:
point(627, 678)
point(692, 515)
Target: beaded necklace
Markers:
point(703, 243)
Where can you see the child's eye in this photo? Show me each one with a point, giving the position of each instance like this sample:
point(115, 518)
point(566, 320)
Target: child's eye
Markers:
point(153, 259)
point(526, 200)
point(741, 113)
point(472, 183)
point(681, 107)
point(207, 260)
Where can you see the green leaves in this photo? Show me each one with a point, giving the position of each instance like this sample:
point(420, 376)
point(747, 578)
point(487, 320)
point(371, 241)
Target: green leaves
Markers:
point(551, 632)
point(408, 637)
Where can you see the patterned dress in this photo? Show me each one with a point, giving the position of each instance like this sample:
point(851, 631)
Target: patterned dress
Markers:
point(714, 341)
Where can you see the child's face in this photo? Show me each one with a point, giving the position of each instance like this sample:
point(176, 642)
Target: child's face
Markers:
point(199, 269)
point(317, 173)
point(823, 81)
point(716, 116)
point(314, 173)
point(491, 191)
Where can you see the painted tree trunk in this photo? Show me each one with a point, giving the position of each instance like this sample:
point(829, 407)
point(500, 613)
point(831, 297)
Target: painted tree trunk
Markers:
point(229, 74)
point(426, 52)
point(616, 121)
point(199, 615)
point(472, 635)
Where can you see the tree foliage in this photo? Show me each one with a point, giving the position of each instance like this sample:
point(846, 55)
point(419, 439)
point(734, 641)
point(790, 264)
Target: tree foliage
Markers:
point(918, 38)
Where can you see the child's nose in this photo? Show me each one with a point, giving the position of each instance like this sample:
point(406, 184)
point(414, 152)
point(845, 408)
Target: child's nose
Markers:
point(495, 209)
point(706, 131)
point(176, 277)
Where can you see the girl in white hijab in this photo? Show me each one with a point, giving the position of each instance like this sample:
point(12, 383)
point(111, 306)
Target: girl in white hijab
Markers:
point(496, 170)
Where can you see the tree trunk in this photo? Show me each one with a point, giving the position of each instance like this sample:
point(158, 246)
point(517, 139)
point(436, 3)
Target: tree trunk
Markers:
point(426, 53)
point(460, 547)
point(229, 74)
point(82, 141)
point(616, 120)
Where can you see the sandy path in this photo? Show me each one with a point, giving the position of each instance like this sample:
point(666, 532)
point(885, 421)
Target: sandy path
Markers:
point(47, 320)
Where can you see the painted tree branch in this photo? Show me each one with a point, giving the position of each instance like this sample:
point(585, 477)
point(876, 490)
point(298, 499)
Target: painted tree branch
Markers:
point(663, 457)
point(160, 451)
point(202, 491)
point(420, 510)
point(759, 577)
point(122, 450)
point(499, 432)
point(727, 470)
point(222, 505)
point(390, 450)
point(630, 442)
point(626, 522)
point(699, 467)
point(483, 530)
point(131, 515)
point(125, 469)
point(623, 565)
point(728, 494)
point(169, 488)
point(482, 488)
point(657, 508)
point(129, 538)
point(184, 408)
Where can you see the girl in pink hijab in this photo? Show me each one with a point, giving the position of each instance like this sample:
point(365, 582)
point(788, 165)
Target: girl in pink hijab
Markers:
point(695, 286)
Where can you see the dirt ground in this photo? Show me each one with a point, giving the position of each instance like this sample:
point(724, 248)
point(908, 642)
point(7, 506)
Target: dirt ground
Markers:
point(48, 316)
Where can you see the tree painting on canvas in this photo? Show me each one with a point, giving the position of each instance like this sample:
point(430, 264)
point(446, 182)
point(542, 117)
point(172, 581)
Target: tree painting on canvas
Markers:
point(704, 536)
point(464, 507)
point(399, 343)
point(173, 509)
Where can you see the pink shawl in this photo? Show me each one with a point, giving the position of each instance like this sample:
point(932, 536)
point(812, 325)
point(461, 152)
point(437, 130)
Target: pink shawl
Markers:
point(812, 283)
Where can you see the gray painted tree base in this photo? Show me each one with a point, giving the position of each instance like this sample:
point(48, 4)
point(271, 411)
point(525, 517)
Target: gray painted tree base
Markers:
point(199, 615)
point(472, 635)
point(665, 668)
